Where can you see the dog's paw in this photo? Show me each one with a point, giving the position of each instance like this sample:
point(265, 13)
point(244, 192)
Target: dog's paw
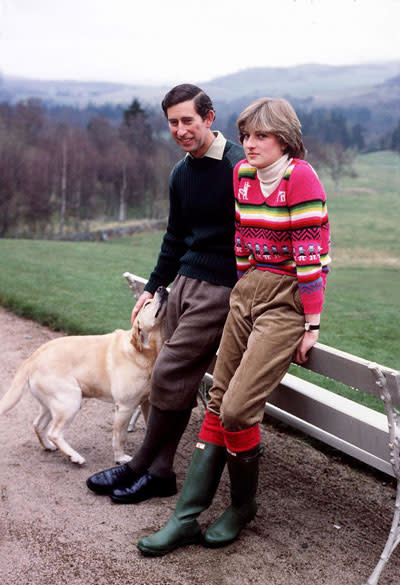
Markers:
point(123, 459)
point(49, 447)
point(76, 458)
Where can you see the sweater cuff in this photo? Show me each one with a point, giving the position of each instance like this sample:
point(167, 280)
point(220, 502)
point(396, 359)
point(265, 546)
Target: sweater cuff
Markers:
point(312, 306)
point(151, 286)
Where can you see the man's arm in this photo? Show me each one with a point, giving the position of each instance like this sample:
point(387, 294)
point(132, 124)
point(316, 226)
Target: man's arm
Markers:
point(172, 249)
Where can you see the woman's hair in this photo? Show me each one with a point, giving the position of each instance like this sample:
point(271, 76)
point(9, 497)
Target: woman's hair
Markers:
point(185, 92)
point(276, 116)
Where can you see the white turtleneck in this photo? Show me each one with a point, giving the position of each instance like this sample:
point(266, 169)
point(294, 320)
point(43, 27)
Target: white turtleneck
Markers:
point(271, 175)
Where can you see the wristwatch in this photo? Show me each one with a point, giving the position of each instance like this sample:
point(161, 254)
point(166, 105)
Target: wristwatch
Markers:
point(309, 327)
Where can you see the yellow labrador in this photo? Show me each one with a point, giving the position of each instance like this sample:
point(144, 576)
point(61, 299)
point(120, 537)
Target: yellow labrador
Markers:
point(113, 367)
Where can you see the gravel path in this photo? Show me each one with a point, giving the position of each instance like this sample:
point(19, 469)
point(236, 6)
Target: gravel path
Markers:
point(322, 520)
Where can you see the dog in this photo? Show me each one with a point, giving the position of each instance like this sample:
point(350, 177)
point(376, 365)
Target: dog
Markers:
point(115, 367)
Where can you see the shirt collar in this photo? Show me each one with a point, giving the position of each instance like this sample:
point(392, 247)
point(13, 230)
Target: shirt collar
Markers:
point(216, 148)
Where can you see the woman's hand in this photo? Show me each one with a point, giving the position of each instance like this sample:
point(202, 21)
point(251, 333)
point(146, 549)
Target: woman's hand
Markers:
point(139, 304)
point(307, 342)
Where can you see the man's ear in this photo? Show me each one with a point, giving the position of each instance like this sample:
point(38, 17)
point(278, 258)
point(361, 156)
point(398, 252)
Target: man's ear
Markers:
point(210, 116)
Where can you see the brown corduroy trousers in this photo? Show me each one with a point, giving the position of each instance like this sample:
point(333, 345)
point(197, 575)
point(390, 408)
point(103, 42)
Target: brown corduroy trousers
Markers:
point(263, 329)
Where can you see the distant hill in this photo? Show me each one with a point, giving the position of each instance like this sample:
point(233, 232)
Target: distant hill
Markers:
point(321, 84)
point(368, 94)
point(312, 83)
point(75, 93)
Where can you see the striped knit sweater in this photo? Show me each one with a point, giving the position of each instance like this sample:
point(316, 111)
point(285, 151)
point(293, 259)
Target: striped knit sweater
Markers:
point(287, 232)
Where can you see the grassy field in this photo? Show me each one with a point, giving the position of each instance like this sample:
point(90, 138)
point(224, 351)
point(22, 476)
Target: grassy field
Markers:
point(78, 287)
point(362, 301)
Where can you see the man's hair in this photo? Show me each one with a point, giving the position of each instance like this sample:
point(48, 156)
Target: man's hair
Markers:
point(185, 92)
point(276, 116)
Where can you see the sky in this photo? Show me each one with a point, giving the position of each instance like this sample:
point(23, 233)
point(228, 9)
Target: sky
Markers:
point(174, 41)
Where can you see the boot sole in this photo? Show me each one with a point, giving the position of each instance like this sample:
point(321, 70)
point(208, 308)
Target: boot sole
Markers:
point(222, 543)
point(150, 552)
point(219, 544)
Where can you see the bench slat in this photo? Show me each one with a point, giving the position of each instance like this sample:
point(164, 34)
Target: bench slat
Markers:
point(339, 422)
point(348, 369)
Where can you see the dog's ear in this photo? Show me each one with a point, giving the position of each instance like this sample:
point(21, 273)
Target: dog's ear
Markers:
point(140, 338)
point(134, 285)
point(135, 337)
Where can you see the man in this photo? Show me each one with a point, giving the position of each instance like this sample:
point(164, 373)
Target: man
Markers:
point(197, 253)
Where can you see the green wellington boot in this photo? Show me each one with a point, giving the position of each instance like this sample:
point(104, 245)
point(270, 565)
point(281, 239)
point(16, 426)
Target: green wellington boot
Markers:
point(197, 493)
point(243, 473)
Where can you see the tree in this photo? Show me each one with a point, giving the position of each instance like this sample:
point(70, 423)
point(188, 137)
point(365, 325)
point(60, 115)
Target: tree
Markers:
point(53, 174)
point(135, 128)
point(136, 132)
point(101, 133)
point(30, 120)
point(334, 158)
point(357, 137)
point(124, 175)
point(11, 165)
point(396, 138)
point(231, 130)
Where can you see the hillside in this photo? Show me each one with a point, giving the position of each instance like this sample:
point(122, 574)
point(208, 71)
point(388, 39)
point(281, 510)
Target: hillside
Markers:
point(321, 84)
point(75, 93)
point(313, 83)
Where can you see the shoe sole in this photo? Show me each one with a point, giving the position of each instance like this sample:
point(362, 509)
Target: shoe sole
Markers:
point(118, 500)
point(99, 491)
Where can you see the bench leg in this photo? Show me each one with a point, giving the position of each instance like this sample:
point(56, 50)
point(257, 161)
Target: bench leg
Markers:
point(394, 445)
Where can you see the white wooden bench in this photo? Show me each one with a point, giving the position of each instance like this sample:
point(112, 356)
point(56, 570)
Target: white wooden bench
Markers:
point(363, 433)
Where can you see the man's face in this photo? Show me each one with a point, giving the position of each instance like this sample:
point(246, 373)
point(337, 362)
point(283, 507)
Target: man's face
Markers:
point(188, 128)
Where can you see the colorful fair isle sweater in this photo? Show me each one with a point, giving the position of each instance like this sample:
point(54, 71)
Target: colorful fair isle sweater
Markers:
point(286, 232)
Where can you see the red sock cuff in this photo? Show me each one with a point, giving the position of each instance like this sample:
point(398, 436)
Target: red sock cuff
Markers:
point(238, 441)
point(211, 430)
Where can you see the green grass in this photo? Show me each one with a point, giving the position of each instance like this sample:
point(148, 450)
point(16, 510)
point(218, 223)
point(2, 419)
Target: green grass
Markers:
point(377, 172)
point(76, 287)
point(361, 313)
point(79, 288)
point(362, 307)
point(361, 316)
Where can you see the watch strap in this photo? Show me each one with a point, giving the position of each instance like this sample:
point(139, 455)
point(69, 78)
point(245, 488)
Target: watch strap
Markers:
point(309, 327)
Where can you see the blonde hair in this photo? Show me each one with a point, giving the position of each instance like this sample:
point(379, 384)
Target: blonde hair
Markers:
point(277, 116)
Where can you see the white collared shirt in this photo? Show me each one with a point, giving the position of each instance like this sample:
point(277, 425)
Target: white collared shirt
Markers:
point(216, 148)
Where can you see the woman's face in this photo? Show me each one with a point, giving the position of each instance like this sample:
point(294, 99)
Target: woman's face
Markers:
point(262, 148)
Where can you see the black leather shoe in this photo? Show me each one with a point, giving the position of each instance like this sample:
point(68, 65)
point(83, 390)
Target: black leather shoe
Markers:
point(146, 487)
point(105, 482)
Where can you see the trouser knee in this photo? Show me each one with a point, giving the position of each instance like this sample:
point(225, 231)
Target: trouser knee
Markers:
point(233, 419)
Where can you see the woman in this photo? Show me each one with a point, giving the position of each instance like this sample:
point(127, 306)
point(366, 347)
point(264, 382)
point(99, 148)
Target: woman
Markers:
point(281, 245)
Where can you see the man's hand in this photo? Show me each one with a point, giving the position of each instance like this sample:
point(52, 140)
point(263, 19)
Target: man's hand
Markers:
point(139, 304)
point(307, 342)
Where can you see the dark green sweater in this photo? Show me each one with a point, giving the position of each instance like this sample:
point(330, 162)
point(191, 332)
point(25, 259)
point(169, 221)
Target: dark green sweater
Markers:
point(199, 241)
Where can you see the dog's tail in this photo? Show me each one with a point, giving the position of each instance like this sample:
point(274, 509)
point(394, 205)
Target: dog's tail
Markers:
point(14, 393)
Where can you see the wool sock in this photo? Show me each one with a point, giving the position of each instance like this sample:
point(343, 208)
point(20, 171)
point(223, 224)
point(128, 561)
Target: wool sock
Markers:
point(163, 433)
